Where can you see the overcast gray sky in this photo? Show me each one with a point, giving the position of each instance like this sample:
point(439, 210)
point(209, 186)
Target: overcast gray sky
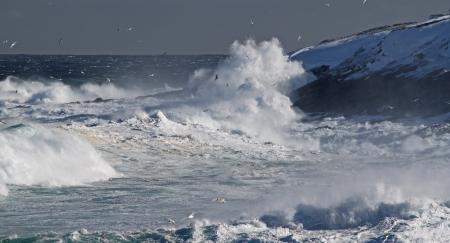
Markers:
point(191, 26)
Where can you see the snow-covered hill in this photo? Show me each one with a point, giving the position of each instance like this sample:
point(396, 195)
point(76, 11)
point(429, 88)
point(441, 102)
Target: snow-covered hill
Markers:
point(402, 69)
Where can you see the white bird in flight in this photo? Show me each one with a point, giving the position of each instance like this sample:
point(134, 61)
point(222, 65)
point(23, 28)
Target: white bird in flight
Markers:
point(251, 22)
point(171, 221)
point(364, 2)
point(191, 216)
point(299, 38)
point(219, 200)
point(13, 44)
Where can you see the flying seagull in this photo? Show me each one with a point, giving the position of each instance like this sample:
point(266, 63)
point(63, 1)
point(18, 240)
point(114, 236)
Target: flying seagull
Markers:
point(191, 216)
point(60, 41)
point(364, 2)
point(251, 22)
point(13, 44)
point(171, 221)
point(219, 200)
point(299, 38)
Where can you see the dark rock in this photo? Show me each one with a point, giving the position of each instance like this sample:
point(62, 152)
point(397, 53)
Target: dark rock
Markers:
point(377, 95)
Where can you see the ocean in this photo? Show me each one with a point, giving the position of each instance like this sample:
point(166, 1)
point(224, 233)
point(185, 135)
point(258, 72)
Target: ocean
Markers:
point(207, 149)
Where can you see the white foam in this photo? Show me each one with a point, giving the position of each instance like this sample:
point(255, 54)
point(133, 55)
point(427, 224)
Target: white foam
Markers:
point(247, 91)
point(49, 158)
point(27, 91)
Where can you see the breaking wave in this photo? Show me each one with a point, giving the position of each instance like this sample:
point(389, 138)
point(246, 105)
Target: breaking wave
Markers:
point(33, 155)
point(246, 93)
point(351, 213)
point(382, 223)
point(35, 92)
point(361, 182)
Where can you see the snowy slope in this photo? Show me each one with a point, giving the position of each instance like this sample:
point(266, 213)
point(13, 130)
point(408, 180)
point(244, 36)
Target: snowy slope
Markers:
point(399, 70)
point(424, 46)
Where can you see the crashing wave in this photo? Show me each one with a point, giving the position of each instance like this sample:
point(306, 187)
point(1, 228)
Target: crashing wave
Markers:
point(35, 92)
point(33, 155)
point(352, 213)
point(247, 92)
point(429, 225)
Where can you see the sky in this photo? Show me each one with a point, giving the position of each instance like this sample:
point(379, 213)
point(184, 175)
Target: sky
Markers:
point(191, 26)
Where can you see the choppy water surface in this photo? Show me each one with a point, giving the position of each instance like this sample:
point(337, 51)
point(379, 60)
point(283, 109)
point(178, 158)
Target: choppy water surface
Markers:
point(206, 148)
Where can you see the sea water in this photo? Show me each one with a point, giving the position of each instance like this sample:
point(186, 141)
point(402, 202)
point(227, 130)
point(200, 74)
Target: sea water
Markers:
point(207, 148)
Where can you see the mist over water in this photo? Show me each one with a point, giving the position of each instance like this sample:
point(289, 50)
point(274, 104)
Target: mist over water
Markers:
point(247, 92)
point(226, 145)
point(36, 92)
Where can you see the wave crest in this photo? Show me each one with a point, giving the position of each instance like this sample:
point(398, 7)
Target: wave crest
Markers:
point(13, 89)
point(351, 213)
point(38, 156)
point(247, 92)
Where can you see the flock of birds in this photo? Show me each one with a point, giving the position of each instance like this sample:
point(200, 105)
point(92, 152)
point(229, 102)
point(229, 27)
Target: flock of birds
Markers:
point(299, 38)
point(11, 44)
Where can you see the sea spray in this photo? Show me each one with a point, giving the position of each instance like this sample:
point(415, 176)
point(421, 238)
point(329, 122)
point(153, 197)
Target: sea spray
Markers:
point(247, 92)
point(49, 158)
point(16, 90)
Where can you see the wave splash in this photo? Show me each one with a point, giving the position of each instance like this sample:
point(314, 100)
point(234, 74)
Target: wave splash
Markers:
point(352, 213)
point(390, 223)
point(13, 89)
point(38, 156)
point(247, 92)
